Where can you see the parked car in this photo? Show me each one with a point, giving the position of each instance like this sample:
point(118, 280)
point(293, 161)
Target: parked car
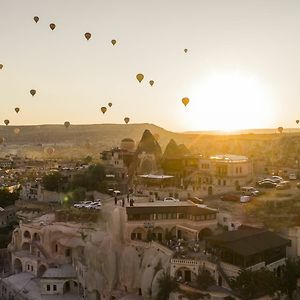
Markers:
point(170, 199)
point(92, 205)
point(284, 185)
point(276, 179)
point(292, 176)
point(249, 191)
point(95, 205)
point(82, 204)
point(245, 199)
point(267, 184)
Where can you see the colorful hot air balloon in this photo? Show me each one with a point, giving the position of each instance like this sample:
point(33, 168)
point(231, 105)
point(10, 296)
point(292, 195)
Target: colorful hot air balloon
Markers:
point(52, 26)
point(113, 42)
point(280, 129)
point(87, 35)
point(17, 130)
point(67, 124)
point(185, 50)
point(1, 66)
point(151, 82)
point(110, 104)
point(140, 77)
point(36, 19)
point(103, 109)
point(17, 109)
point(297, 121)
point(32, 92)
point(185, 101)
point(6, 122)
point(126, 120)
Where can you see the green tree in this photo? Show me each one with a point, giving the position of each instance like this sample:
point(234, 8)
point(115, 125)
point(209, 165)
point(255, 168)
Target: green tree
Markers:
point(291, 273)
point(166, 285)
point(7, 198)
point(204, 279)
point(52, 181)
point(255, 284)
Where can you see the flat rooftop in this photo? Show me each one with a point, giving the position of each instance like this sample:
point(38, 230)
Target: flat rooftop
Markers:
point(169, 207)
point(229, 158)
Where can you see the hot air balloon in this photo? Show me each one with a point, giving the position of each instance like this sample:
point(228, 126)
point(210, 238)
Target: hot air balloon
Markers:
point(140, 77)
point(297, 121)
point(32, 92)
point(1, 66)
point(67, 124)
point(36, 19)
point(280, 129)
point(113, 42)
point(87, 35)
point(52, 26)
point(49, 150)
point(185, 50)
point(110, 104)
point(17, 130)
point(126, 120)
point(103, 109)
point(17, 109)
point(185, 101)
point(6, 122)
point(151, 82)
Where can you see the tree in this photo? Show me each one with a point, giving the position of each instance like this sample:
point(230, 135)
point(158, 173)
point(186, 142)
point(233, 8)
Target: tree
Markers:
point(166, 285)
point(7, 198)
point(52, 181)
point(291, 272)
point(251, 284)
point(204, 279)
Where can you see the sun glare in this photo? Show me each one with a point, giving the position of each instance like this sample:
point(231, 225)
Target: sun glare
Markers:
point(228, 101)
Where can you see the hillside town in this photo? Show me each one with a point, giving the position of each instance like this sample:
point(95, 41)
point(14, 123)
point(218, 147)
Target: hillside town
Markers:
point(139, 222)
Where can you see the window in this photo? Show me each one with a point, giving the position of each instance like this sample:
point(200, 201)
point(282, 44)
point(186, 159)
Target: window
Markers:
point(48, 287)
point(31, 268)
point(68, 252)
point(56, 248)
point(54, 287)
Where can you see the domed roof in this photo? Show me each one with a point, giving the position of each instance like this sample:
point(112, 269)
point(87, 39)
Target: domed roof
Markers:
point(127, 140)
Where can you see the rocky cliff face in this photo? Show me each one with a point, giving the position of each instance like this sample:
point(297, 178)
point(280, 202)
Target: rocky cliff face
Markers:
point(149, 145)
point(110, 262)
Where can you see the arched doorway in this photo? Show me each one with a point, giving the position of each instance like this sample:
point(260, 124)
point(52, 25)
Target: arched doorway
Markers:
point(70, 286)
point(27, 235)
point(18, 266)
point(205, 232)
point(26, 246)
point(138, 234)
point(157, 234)
point(41, 270)
point(185, 275)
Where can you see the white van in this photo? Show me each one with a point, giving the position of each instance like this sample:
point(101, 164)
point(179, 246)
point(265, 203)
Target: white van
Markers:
point(249, 191)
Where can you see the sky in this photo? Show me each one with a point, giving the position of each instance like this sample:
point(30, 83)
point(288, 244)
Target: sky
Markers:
point(242, 68)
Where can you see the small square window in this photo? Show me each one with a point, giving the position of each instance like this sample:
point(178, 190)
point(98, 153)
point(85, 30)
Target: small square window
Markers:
point(48, 287)
point(54, 287)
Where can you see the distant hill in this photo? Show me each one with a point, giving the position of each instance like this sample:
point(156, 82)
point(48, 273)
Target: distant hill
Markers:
point(82, 140)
